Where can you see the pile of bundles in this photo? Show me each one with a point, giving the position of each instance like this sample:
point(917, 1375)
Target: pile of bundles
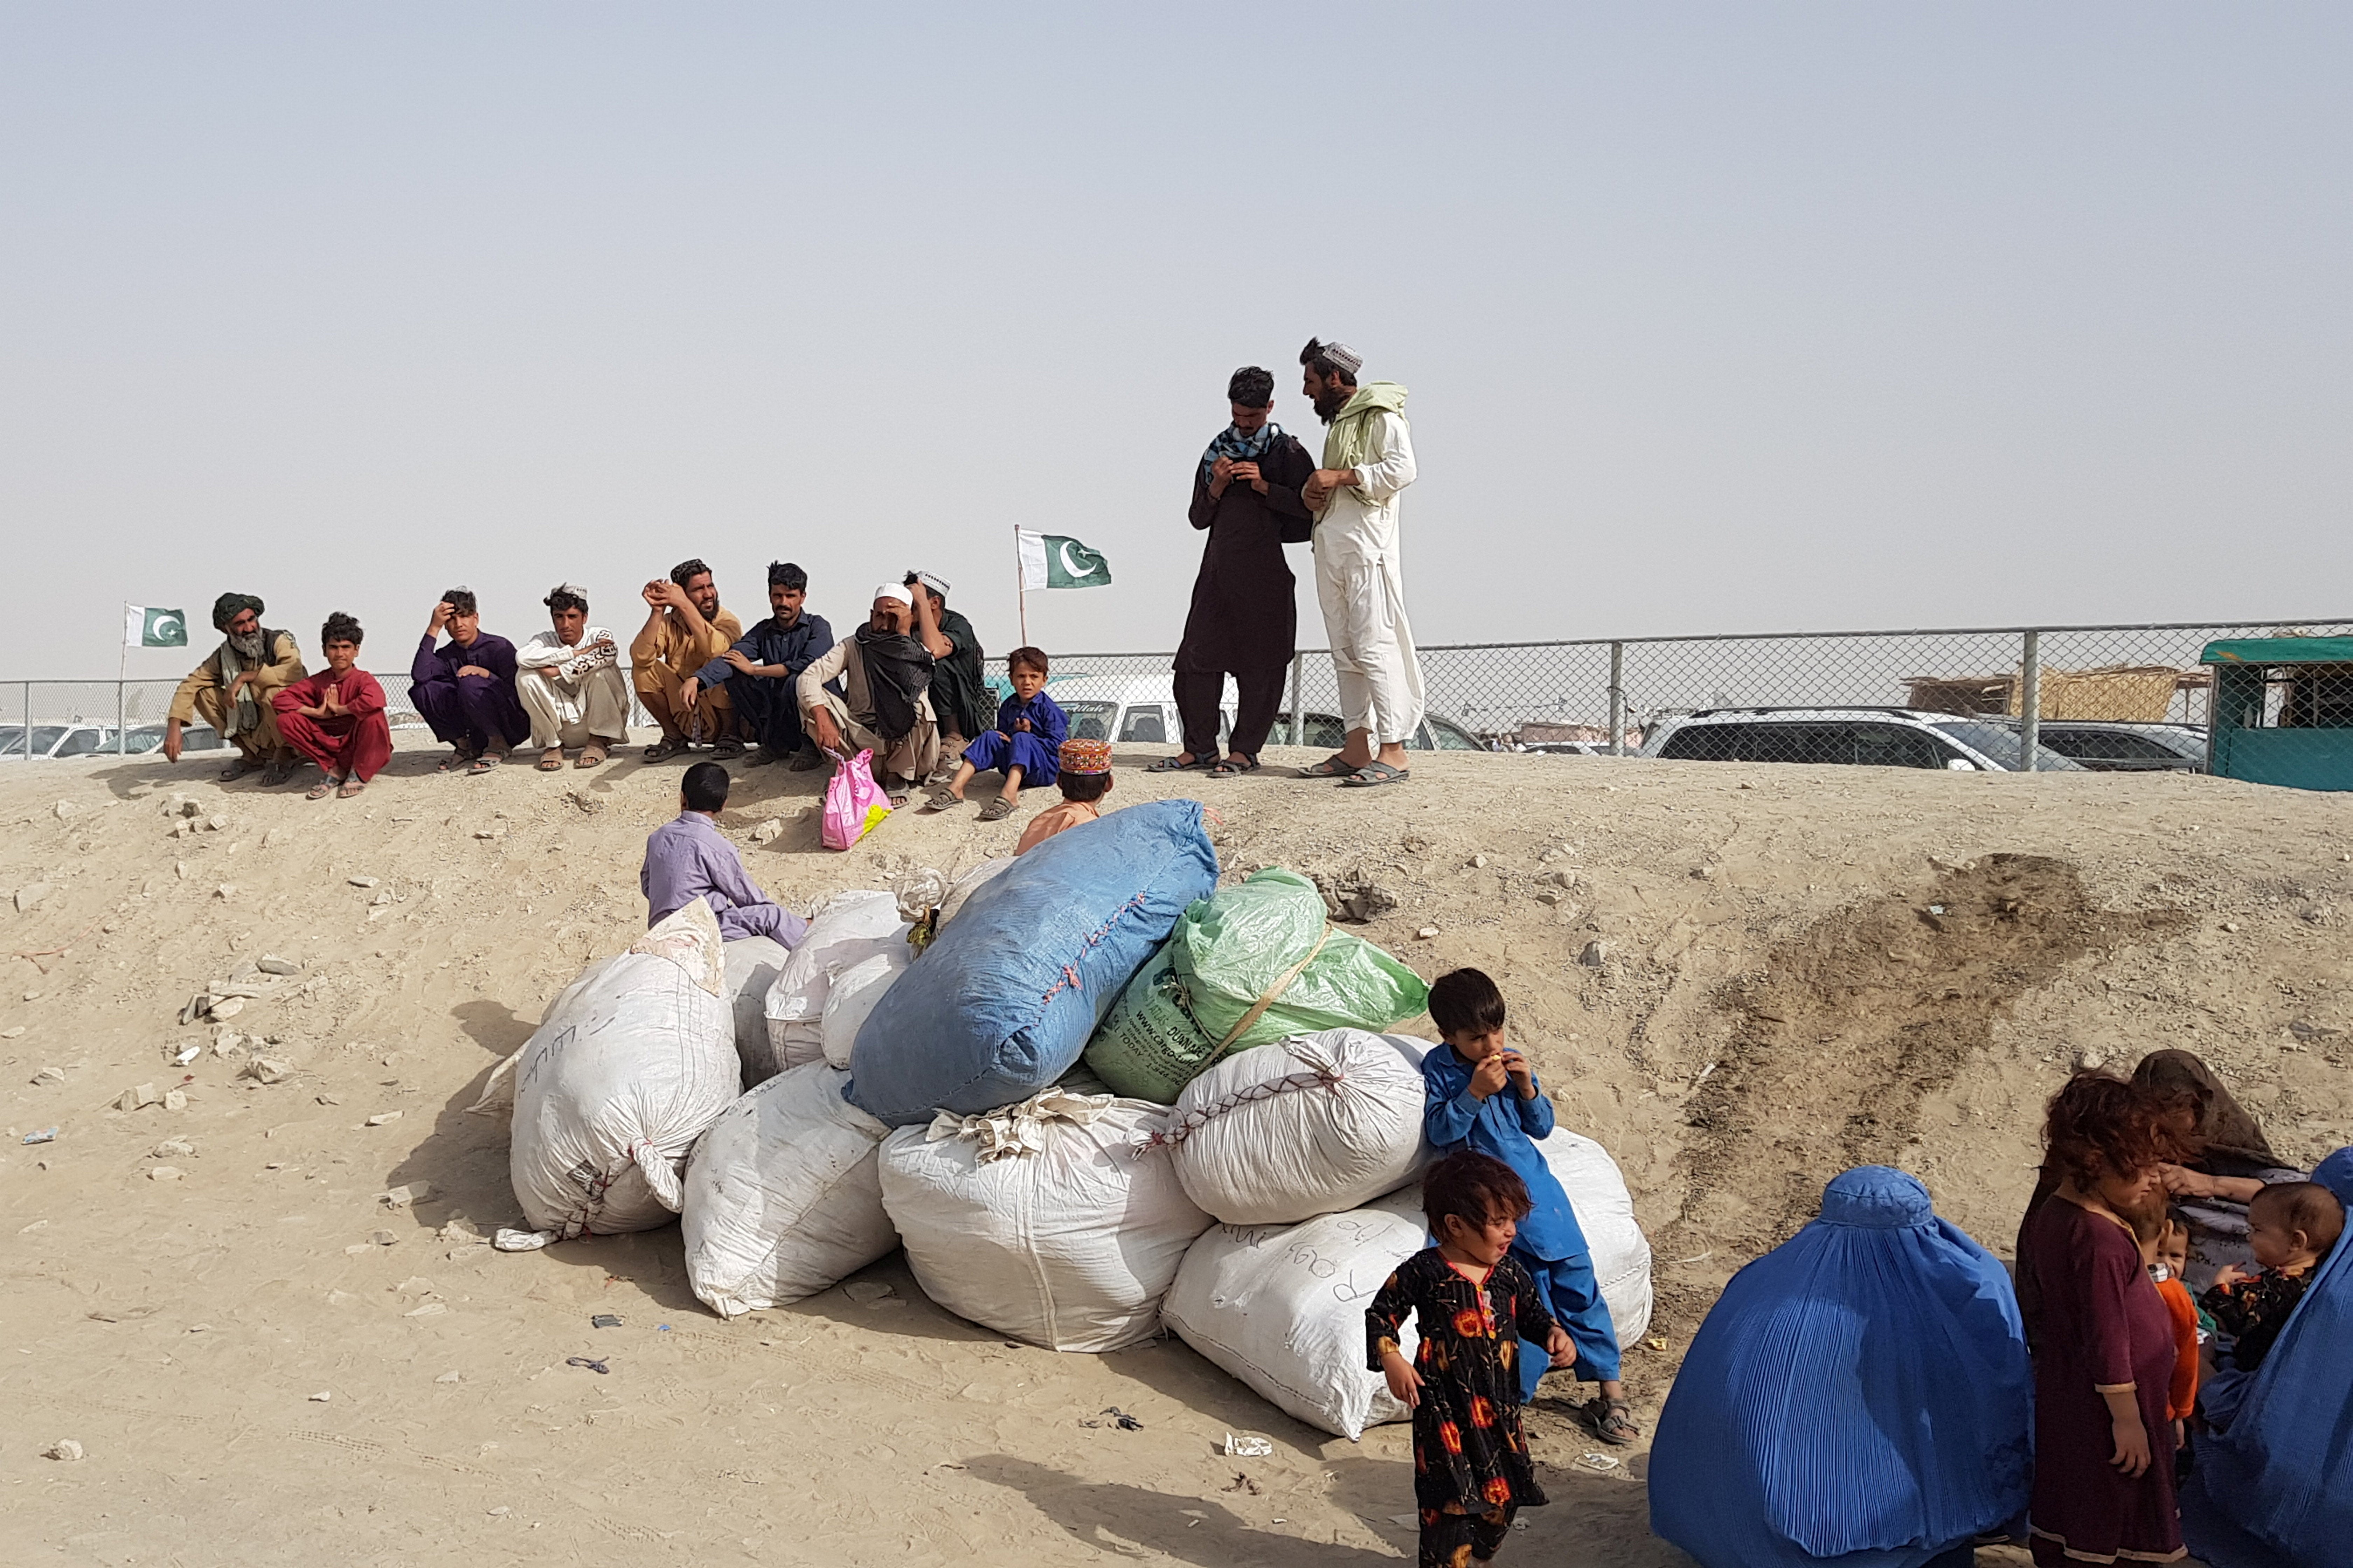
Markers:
point(1103, 1097)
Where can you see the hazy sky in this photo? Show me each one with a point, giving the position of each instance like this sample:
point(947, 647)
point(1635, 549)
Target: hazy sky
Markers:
point(1715, 318)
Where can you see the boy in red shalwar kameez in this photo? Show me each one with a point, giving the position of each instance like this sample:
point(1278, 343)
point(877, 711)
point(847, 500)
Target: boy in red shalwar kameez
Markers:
point(336, 717)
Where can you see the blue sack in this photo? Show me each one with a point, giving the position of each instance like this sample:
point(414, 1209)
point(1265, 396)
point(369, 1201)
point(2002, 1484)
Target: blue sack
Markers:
point(1003, 1002)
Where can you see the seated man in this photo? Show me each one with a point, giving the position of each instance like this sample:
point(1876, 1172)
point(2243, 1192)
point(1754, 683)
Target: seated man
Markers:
point(887, 676)
point(762, 672)
point(231, 690)
point(959, 691)
point(570, 683)
point(336, 717)
point(688, 857)
point(465, 686)
point(685, 629)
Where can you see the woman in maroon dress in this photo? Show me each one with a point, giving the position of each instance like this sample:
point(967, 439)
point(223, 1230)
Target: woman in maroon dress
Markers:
point(2102, 1337)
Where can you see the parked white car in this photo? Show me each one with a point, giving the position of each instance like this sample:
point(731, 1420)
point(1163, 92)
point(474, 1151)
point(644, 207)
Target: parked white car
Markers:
point(1873, 737)
point(1143, 712)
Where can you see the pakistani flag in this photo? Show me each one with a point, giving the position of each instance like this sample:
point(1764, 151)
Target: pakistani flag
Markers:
point(144, 625)
point(1054, 561)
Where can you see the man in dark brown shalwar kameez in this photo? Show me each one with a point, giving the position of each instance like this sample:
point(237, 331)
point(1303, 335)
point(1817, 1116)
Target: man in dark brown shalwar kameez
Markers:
point(1244, 619)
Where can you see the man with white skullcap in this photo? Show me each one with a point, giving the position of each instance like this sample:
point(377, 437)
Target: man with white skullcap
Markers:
point(886, 707)
point(1359, 566)
point(569, 677)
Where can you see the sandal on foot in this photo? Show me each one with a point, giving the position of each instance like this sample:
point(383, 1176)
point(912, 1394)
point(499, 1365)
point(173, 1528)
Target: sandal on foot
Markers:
point(663, 750)
point(944, 799)
point(591, 755)
point(456, 761)
point(1172, 765)
point(996, 810)
point(1373, 773)
point(350, 788)
point(551, 761)
point(727, 749)
point(1335, 766)
point(237, 769)
point(487, 763)
point(1613, 1422)
point(323, 788)
point(277, 774)
point(1229, 768)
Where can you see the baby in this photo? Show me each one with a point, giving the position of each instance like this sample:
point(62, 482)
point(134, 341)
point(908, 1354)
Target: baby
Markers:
point(2292, 1226)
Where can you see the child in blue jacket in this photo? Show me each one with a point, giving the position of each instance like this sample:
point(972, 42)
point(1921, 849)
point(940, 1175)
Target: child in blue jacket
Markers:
point(1026, 745)
point(1478, 1093)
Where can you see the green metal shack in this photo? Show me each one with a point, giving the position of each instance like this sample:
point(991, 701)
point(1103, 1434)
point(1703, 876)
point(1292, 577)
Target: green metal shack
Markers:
point(2282, 711)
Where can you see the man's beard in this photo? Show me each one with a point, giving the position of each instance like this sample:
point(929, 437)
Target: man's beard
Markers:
point(1329, 402)
point(248, 647)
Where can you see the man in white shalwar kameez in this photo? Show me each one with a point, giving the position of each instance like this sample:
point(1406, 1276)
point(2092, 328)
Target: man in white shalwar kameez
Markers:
point(569, 678)
point(1359, 566)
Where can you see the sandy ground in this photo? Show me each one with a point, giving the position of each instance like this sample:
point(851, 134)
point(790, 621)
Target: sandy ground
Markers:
point(1797, 969)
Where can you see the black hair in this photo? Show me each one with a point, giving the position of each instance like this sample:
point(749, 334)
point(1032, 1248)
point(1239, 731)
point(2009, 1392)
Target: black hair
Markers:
point(688, 570)
point(1465, 1003)
point(1083, 787)
point(706, 786)
point(784, 575)
point(1474, 1188)
point(341, 627)
point(461, 601)
point(1027, 658)
point(564, 599)
point(2306, 1207)
point(1251, 387)
point(1314, 358)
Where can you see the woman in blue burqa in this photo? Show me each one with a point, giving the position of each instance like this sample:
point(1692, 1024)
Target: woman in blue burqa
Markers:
point(1859, 1396)
point(2274, 1489)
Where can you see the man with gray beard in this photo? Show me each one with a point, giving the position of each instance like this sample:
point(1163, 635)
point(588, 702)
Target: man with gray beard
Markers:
point(232, 688)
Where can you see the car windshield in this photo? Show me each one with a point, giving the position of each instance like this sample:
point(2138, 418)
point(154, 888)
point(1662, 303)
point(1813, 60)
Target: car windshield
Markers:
point(1090, 721)
point(2004, 746)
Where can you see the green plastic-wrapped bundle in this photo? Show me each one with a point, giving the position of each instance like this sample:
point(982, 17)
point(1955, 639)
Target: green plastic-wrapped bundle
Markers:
point(1245, 965)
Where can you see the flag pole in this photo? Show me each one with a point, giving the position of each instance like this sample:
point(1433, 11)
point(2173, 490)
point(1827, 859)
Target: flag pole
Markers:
point(1021, 585)
point(122, 672)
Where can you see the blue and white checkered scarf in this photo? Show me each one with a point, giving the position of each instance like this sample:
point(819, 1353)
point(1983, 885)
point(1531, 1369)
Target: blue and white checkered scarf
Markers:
point(1232, 443)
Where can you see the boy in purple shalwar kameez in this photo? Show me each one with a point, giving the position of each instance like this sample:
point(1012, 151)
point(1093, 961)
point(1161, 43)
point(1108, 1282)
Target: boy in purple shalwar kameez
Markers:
point(688, 857)
point(465, 688)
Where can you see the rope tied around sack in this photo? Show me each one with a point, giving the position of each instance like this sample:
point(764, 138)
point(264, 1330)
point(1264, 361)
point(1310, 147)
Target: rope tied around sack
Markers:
point(1192, 1122)
point(1020, 1129)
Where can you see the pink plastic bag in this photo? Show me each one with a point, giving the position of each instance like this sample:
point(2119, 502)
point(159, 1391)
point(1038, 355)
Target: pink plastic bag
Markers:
point(854, 803)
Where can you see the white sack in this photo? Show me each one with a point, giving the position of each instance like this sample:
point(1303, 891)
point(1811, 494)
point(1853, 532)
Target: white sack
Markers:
point(852, 995)
point(1283, 1307)
point(783, 1195)
point(612, 1091)
point(1313, 1124)
point(753, 963)
point(971, 883)
point(847, 929)
point(1056, 1222)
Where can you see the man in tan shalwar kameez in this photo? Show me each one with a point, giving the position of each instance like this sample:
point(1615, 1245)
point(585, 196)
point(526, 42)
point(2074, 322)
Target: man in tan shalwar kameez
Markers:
point(685, 629)
point(231, 690)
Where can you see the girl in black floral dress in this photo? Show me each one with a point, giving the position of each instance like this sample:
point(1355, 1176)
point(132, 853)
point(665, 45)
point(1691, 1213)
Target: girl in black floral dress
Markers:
point(1472, 1306)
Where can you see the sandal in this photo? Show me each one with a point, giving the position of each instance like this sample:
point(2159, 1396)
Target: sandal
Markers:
point(1373, 773)
point(487, 763)
point(1335, 766)
point(1615, 1422)
point(996, 810)
point(727, 749)
point(591, 755)
point(454, 763)
point(277, 774)
point(237, 769)
point(323, 788)
point(551, 761)
point(944, 799)
point(1171, 765)
point(1228, 768)
point(663, 750)
point(351, 787)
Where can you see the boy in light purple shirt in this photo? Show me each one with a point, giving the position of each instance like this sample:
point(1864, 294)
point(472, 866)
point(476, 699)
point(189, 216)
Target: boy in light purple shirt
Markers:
point(688, 858)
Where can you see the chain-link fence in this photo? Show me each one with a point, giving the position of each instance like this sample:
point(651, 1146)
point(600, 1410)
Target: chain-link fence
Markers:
point(2111, 697)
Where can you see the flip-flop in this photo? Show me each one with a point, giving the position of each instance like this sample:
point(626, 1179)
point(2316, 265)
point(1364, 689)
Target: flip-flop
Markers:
point(1229, 768)
point(1171, 765)
point(1613, 1424)
point(351, 787)
point(1335, 766)
point(1373, 773)
point(996, 810)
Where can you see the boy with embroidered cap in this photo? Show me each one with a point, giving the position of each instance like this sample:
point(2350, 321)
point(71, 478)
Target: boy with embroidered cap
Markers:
point(1480, 1093)
point(1085, 779)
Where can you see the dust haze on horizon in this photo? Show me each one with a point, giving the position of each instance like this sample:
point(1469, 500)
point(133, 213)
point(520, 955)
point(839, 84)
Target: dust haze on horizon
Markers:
point(1715, 318)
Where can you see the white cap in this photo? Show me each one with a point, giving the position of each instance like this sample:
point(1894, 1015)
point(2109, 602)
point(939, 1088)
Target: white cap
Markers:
point(893, 591)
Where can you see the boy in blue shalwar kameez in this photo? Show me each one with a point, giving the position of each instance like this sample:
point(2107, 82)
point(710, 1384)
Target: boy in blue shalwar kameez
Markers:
point(1478, 1093)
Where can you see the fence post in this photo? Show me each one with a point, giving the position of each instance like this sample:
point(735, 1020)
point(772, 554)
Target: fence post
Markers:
point(122, 740)
point(1298, 674)
point(1617, 699)
point(2030, 698)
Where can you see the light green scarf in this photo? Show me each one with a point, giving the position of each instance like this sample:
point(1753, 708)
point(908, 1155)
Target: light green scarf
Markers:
point(1348, 442)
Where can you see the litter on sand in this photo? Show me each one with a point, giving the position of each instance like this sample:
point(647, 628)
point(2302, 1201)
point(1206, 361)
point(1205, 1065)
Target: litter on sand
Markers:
point(1597, 1461)
point(606, 1320)
point(1248, 1445)
point(1114, 1416)
point(511, 1240)
point(46, 1135)
point(591, 1365)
